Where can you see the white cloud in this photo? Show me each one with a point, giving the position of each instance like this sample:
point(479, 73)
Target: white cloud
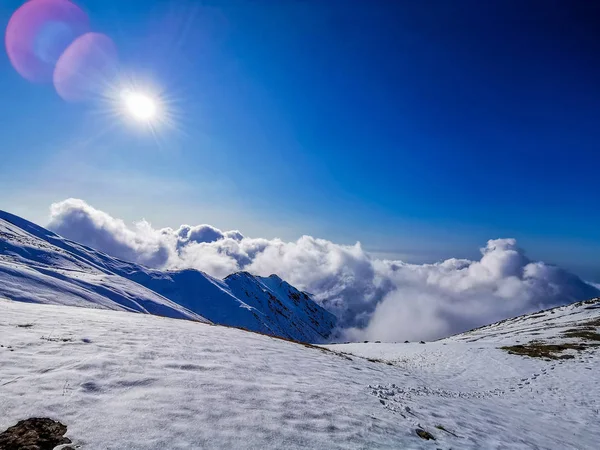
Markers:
point(79, 222)
point(374, 298)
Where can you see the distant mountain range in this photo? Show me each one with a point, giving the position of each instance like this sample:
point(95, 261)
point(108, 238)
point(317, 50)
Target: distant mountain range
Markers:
point(39, 266)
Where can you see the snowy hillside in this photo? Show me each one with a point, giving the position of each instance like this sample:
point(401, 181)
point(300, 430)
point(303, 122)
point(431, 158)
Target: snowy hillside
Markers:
point(120, 380)
point(527, 382)
point(268, 305)
point(551, 326)
point(39, 266)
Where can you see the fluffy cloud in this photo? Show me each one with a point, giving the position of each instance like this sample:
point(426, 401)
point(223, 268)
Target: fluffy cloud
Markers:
point(374, 299)
point(79, 222)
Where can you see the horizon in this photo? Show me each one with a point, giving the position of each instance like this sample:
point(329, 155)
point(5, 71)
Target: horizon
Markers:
point(371, 298)
point(419, 133)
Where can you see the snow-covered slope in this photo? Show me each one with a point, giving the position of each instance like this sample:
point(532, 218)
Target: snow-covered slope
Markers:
point(527, 382)
point(37, 265)
point(120, 380)
point(267, 305)
point(287, 307)
point(550, 326)
point(40, 267)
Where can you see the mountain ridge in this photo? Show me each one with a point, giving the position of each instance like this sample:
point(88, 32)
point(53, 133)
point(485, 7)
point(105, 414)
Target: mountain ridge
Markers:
point(37, 265)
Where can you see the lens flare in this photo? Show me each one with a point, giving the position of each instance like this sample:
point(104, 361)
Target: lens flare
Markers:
point(87, 68)
point(39, 32)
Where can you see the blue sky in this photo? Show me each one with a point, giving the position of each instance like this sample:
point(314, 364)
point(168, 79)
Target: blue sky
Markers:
point(421, 129)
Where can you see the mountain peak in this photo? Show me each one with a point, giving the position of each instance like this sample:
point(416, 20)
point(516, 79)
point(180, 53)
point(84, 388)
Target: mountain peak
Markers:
point(240, 274)
point(72, 274)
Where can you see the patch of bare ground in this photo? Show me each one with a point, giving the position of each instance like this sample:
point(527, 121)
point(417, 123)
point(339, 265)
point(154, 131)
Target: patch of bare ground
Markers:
point(537, 349)
point(583, 333)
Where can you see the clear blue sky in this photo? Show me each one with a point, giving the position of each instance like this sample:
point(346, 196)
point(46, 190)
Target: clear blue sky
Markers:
point(421, 129)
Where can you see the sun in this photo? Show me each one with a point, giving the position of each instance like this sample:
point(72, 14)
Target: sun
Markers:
point(140, 106)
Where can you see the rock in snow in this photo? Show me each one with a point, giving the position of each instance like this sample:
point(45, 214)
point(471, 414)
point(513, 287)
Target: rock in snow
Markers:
point(39, 266)
point(34, 434)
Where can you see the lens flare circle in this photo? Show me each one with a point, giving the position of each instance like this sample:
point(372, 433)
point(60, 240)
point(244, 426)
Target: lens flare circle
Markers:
point(39, 32)
point(87, 67)
point(140, 106)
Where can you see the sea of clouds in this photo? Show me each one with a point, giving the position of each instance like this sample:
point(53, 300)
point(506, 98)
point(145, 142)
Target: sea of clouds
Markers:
point(373, 298)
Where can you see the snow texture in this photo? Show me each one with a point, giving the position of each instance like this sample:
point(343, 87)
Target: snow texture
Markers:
point(120, 380)
point(485, 397)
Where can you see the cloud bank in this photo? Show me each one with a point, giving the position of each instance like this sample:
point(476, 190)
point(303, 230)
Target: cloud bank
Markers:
point(373, 298)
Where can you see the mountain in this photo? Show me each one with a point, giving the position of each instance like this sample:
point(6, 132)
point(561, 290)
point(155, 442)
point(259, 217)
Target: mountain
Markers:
point(118, 380)
point(39, 266)
point(265, 304)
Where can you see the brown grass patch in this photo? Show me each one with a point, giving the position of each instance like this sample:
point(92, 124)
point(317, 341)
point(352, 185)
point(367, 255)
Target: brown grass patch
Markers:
point(542, 350)
point(585, 334)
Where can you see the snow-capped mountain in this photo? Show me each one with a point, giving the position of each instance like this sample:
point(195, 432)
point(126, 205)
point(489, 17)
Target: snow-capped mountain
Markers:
point(39, 266)
point(264, 304)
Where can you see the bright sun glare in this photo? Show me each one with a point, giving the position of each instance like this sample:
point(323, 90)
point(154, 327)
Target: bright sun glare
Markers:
point(140, 106)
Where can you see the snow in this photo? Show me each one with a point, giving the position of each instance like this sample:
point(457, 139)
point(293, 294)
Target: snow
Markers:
point(494, 399)
point(291, 308)
point(120, 380)
point(544, 325)
point(39, 266)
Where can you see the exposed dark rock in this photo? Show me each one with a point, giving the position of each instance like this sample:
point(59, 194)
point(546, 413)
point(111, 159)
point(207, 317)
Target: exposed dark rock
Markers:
point(34, 434)
point(424, 434)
